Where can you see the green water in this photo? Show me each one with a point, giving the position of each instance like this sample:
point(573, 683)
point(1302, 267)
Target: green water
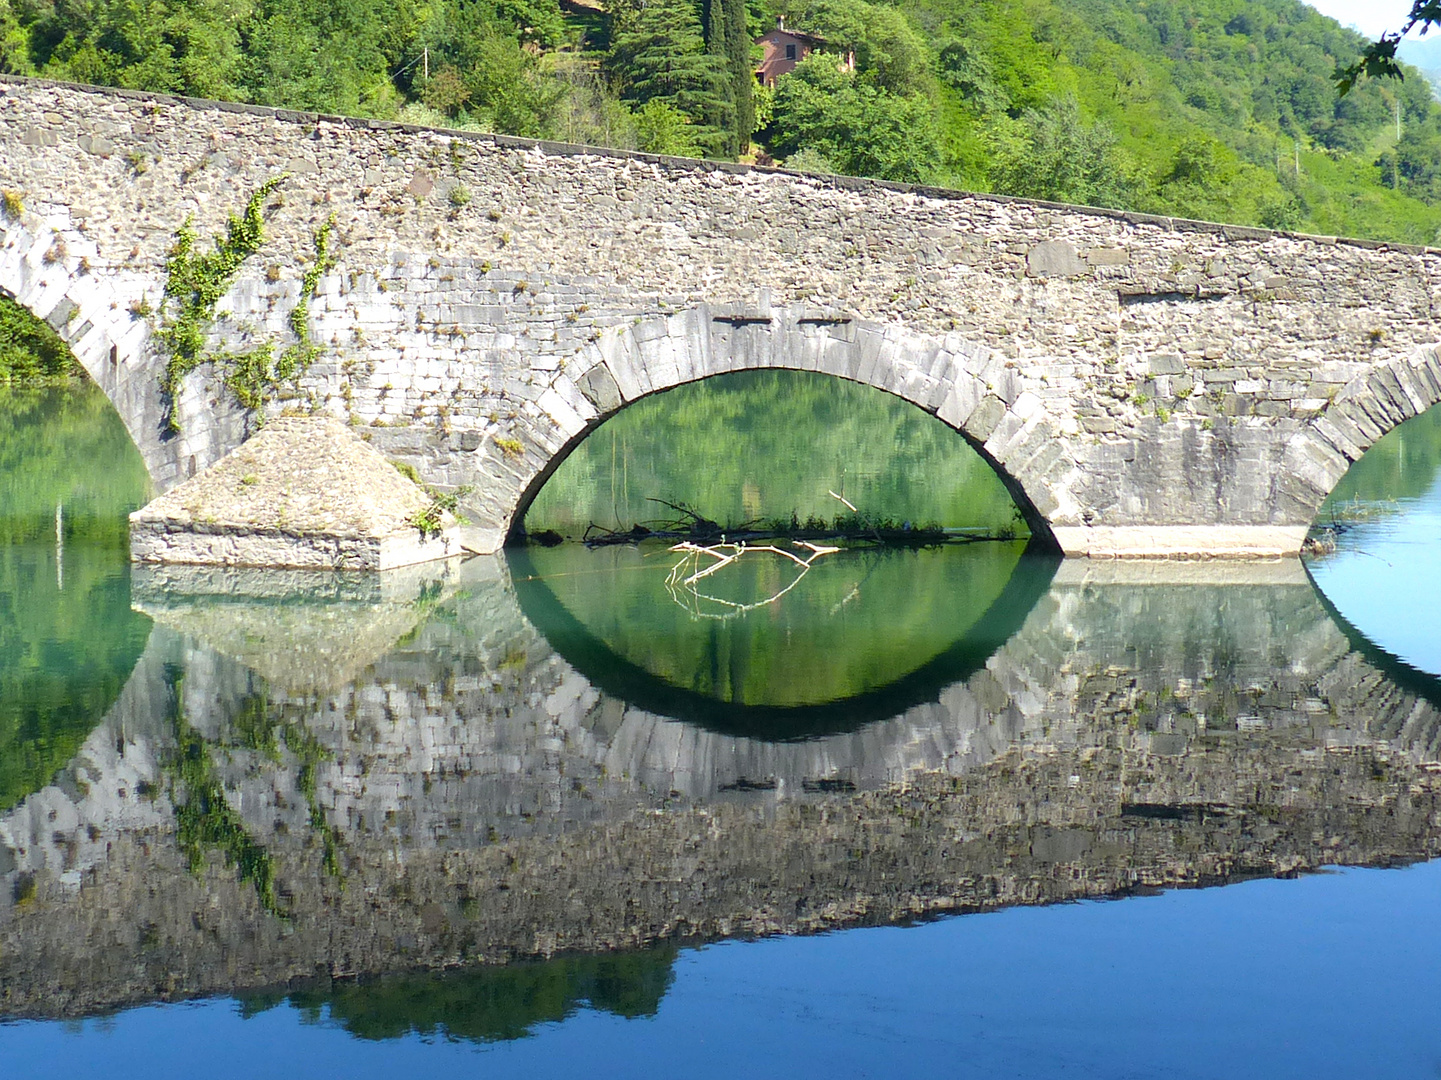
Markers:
point(555, 772)
point(757, 445)
point(68, 638)
point(1403, 464)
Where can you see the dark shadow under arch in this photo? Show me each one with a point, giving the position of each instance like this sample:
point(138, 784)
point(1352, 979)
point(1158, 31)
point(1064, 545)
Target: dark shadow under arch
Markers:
point(632, 684)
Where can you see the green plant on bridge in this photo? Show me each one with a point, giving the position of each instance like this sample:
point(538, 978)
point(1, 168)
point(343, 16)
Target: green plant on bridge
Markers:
point(309, 753)
point(431, 520)
point(195, 282)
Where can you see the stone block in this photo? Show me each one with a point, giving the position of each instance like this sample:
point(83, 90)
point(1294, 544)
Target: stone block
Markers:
point(599, 385)
point(561, 413)
point(1055, 258)
point(1327, 429)
point(985, 417)
point(1108, 256)
point(96, 144)
point(960, 401)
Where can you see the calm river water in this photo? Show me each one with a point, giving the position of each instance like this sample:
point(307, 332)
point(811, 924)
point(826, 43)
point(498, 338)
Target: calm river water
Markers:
point(567, 812)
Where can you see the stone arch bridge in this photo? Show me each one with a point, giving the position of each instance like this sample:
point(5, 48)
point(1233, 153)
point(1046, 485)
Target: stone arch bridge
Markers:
point(1143, 385)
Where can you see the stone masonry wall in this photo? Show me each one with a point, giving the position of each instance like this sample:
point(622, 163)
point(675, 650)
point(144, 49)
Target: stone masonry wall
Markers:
point(1144, 384)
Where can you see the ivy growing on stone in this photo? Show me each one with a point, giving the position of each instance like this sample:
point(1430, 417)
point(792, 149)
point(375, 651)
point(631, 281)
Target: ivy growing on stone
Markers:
point(194, 285)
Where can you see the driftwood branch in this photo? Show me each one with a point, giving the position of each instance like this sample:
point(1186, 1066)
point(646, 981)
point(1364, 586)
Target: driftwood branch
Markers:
point(683, 576)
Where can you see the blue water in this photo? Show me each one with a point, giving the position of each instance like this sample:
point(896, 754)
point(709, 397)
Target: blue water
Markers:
point(1385, 577)
point(1333, 975)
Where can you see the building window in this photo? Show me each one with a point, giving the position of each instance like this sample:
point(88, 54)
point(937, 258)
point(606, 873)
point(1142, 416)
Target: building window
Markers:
point(790, 52)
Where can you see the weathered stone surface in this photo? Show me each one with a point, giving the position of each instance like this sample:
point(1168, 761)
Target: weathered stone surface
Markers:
point(305, 492)
point(1055, 258)
point(1182, 541)
point(478, 342)
point(1108, 256)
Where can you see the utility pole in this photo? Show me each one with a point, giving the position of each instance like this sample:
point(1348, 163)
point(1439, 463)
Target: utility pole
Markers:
point(425, 60)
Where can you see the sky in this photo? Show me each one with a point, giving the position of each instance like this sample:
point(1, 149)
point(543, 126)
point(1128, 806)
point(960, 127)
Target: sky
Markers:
point(1371, 17)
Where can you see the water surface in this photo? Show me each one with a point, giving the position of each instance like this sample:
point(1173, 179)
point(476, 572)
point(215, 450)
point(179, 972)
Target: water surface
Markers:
point(558, 811)
point(1329, 976)
point(69, 475)
point(1385, 575)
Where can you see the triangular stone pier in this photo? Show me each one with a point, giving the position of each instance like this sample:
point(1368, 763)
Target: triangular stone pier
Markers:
point(304, 493)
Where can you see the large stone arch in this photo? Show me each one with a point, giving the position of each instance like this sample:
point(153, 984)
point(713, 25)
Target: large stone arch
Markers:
point(1366, 408)
point(968, 386)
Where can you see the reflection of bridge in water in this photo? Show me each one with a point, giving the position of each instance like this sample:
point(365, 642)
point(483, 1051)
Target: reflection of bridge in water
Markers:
point(1146, 725)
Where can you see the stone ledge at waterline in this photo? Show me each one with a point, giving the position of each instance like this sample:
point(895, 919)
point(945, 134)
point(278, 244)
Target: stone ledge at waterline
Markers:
point(305, 493)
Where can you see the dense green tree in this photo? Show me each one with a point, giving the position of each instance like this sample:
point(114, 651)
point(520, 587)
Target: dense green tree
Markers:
point(723, 115)
point(1418, 161)
point(889, 52)
point(484, 70)
point(739, 56)
point(14, 42)
point(661, 128)
point(663, 57)
point(1053, 153)
point(858, 128)
point(967, 69)
point(29, 350)
point(324, 55)
point(183, 46)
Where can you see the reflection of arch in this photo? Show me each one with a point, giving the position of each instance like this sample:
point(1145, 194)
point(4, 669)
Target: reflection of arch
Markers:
point(1416, 713)
point(964, 384)
point(632, 684)
point(1365, 409)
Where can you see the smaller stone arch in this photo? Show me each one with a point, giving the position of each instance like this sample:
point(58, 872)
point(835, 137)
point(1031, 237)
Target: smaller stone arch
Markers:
point(1366, 408)
point(963, 383)
point(54, 271)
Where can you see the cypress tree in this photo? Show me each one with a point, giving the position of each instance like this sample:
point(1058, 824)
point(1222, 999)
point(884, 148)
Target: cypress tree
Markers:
point(742, 74)
point(718, 45)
